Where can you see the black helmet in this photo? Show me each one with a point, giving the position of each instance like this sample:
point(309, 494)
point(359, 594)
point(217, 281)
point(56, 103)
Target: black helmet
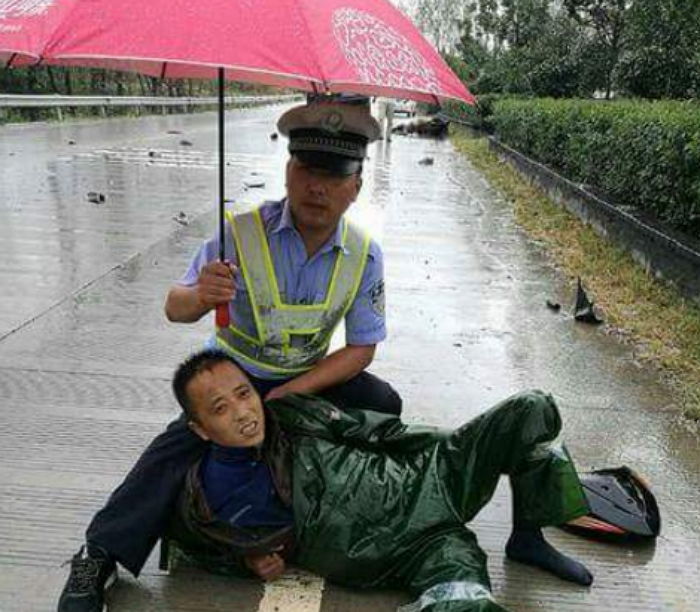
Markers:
point(621, 507)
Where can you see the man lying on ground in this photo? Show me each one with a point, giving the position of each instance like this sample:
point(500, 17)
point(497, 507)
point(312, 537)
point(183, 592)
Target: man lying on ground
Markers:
point(362, 499)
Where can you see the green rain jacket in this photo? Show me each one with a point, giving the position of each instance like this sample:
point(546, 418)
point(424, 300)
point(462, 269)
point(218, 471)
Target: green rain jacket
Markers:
point(378, 503)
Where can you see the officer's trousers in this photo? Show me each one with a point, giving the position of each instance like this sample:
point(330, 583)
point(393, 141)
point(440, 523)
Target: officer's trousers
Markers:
point(138, 511)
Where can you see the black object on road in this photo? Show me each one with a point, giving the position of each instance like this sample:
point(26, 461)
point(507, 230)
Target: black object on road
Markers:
point(622, 507)
point(96, 198)
point(181, 218)
point(583, 311)
point(555, 306)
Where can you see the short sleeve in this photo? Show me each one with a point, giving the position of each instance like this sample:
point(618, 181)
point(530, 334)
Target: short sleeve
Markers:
point(365, 322)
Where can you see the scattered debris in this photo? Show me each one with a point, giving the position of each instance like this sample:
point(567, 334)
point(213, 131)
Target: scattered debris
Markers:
point(432, 128)
point(274, 136)
point(583, 311)
point(185, 143)
point(181, 218)
point(555, 306)
point(427, 161)
point(253, 183)
point(174, 132)
point(96, 197)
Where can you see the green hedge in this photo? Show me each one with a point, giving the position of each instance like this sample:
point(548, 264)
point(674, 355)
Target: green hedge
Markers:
point(476, 116)
point(643, 154)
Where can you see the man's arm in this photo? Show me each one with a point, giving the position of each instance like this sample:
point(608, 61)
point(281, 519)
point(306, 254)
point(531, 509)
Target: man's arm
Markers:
point(338, 367)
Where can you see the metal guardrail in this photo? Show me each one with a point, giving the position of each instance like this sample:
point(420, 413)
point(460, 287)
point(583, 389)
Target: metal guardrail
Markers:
point(56, 101)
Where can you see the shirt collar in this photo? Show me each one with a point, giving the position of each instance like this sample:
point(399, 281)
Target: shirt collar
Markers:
point(287, 223)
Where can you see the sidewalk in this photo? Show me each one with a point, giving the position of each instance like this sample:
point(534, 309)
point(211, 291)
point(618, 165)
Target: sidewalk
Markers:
point(86, 354)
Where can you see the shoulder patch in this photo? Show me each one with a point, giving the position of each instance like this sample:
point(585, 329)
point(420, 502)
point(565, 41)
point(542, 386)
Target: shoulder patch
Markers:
point(376, 297)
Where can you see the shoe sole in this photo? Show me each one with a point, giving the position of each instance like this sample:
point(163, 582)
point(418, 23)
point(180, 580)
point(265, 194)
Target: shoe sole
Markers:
point(111, 579)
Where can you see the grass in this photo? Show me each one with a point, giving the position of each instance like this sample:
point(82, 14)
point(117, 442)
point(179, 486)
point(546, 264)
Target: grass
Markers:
point(662, 326)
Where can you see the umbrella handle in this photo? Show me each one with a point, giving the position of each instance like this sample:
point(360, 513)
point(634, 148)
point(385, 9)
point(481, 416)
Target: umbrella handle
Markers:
point(223, 318)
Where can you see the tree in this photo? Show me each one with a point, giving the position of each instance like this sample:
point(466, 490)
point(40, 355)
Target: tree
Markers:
point(662, 59)
point(440, 20)
point(606, 19)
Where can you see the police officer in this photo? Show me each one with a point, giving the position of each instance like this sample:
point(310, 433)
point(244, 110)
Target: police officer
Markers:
point(295, 269)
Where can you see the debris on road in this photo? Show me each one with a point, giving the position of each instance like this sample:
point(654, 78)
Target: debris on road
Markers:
point(583, 311)
point(253, 183)
point(96, 197)
point(427, 161)
point(181, 218)
point(430, 128)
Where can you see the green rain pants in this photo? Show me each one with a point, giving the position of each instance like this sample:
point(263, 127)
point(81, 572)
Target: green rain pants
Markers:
point(416, 538)
point(448, 571)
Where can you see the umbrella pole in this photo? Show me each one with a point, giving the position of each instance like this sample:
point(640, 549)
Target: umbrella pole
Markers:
point(222, 313)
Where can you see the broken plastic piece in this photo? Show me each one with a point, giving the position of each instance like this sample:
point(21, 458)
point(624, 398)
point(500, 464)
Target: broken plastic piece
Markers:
point(583, 311)
point(96, 197)
point(622, 507)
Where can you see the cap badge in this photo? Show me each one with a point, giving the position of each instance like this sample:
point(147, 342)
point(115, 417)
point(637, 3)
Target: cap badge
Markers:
point(333, 121)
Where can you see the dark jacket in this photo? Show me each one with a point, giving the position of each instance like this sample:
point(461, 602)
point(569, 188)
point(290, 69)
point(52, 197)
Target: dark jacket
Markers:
point(219, 546)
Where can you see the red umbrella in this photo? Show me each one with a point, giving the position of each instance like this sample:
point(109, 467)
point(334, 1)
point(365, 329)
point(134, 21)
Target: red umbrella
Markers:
point(323, 46)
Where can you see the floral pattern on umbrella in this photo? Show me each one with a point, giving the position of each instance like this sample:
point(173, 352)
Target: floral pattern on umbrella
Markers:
point(15, 9)
point(380, 54)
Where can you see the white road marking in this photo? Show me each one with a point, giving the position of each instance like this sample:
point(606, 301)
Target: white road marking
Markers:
point(296, 591)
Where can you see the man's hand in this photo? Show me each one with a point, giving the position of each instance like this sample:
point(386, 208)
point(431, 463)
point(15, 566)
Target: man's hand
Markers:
point(267, 567)
point(216, 284)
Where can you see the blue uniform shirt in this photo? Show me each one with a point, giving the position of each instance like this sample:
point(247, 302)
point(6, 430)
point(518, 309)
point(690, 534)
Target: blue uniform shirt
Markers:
point(239, 488)
point(301, 279)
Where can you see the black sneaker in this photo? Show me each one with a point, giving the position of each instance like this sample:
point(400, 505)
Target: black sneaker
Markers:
point(91, 572)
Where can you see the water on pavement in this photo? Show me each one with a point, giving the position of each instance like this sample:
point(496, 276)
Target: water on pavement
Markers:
point(86, 354)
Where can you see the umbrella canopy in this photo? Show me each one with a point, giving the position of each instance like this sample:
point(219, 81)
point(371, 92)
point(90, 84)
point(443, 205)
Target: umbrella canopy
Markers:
point(360, 46)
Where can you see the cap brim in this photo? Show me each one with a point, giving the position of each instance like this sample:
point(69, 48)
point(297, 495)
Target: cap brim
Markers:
point(336, 165)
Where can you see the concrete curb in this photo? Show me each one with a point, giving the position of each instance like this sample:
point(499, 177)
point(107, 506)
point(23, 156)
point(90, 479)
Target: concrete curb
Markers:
point(664, 254)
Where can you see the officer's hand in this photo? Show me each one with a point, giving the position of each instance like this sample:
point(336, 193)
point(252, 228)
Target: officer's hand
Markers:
point(216, 284)
point(267, 567)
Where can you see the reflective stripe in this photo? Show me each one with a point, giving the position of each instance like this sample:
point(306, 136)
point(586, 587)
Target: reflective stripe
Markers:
point(448, 591)
point(276, 323)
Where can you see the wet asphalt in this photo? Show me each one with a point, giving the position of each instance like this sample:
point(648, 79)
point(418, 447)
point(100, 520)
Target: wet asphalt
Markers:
point(97, 218)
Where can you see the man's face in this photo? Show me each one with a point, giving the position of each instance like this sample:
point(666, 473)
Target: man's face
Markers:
point(228, 409)
point(317, 198)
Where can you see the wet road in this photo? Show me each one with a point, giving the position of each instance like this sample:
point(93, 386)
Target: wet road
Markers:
point(86, 355)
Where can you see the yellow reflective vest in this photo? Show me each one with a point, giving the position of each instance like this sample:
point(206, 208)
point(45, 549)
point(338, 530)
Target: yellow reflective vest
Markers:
point(290, 338)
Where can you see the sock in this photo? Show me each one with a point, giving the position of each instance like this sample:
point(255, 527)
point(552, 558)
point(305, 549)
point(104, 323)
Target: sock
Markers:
point(527, 545)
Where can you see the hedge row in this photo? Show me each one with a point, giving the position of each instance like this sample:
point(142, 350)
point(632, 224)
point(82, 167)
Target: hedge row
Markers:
point(641, 154)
